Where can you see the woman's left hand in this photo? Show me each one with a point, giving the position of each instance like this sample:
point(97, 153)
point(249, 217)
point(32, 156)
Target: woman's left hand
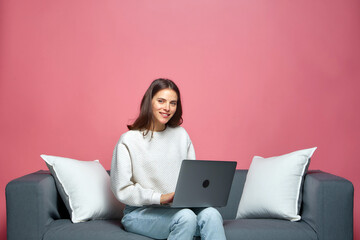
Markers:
point(167, 198)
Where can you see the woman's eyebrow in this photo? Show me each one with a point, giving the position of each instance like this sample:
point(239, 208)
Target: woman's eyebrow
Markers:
point(161, 98)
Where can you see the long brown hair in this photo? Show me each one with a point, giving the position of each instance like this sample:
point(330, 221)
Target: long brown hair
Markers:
point(145, 120)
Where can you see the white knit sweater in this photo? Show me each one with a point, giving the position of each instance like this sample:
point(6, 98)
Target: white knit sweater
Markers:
point(143, 168)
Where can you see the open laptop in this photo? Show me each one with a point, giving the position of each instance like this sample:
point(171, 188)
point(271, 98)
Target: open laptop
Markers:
point(203, 184)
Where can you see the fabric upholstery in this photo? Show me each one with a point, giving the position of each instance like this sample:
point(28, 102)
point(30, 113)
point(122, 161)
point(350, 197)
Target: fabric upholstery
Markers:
point(327, 213)
point(229, 211)
point(328, 205)
point(264, 229)
point(91, 230)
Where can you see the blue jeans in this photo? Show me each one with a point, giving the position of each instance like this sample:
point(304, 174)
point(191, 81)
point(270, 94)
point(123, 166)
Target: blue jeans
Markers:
point(171, 223)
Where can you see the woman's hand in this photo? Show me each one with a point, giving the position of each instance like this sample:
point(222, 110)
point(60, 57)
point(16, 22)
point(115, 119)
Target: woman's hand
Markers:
point(167, 198)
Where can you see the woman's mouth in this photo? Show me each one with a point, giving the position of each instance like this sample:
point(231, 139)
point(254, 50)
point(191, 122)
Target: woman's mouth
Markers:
point(165, 115)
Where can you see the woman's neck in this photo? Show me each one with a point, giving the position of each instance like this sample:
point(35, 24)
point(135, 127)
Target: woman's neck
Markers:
point(158, 128)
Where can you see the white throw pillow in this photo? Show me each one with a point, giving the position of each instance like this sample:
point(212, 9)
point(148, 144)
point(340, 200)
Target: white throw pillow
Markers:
point(84, 186)
point(273, 186)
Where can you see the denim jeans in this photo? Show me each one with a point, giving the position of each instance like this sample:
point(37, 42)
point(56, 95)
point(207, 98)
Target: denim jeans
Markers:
point(174, 224)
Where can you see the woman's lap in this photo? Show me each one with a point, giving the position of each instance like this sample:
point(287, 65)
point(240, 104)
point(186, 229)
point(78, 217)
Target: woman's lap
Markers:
point(152, 222)
point(159, 222)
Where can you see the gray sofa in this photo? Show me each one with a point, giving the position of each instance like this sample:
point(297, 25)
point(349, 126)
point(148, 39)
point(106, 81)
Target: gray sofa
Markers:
point(35, 211)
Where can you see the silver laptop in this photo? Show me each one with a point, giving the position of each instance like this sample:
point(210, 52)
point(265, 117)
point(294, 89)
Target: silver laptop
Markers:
point(203, 184)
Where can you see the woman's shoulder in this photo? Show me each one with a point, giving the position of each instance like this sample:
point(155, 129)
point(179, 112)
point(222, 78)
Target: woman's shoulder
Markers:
point(130, 135)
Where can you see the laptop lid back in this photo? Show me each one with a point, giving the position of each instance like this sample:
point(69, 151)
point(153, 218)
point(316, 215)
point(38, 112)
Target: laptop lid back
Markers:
point(204, 183)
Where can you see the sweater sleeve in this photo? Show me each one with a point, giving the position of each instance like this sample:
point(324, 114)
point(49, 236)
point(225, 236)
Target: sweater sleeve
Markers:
point(191, 152)
point(124, 189)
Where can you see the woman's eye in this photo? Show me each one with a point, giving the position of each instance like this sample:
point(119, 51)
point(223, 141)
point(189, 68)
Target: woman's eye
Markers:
point(160, 101)
point(173, 103)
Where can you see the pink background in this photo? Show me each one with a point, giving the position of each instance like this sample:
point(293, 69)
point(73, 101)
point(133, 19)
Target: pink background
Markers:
point(257, 77)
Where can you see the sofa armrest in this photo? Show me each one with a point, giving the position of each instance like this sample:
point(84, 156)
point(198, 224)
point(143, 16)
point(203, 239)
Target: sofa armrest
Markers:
point(328, 205)
point(32, 202)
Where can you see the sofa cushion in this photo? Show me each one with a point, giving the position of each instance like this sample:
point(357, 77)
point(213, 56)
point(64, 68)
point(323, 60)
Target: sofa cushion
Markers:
point(268, 229)
point(91, 230)
point(273, 186)
point(255, 229)
point(84, 186)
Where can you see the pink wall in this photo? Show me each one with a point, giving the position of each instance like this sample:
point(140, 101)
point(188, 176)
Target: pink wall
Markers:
point(257, 77)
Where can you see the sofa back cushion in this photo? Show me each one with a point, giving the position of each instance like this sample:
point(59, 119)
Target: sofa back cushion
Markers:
point(229, 211)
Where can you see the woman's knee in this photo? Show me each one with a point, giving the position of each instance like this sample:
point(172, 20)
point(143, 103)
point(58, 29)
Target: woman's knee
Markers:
point(185, 217)
point(210, 213)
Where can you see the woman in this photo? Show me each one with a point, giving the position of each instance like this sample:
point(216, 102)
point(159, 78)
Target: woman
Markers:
point(145, 166)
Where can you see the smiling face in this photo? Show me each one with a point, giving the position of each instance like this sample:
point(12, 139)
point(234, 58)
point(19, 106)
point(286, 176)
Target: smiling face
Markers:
point(164, 105)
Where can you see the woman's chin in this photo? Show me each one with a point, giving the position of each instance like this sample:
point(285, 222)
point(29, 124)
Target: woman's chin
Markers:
point(164, 121)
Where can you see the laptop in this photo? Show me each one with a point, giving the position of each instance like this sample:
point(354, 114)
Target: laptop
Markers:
point(203, 183)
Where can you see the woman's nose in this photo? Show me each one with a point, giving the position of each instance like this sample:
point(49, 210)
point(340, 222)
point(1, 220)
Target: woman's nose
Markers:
point(167, 107)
